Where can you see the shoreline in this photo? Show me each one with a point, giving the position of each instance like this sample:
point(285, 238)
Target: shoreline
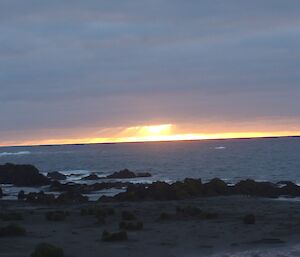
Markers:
point(186, 218)
point(277, 226)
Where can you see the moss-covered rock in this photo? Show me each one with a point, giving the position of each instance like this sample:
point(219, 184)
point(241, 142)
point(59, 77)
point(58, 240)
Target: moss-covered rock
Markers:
point(127, 215)
point(12, 230)
point(57, 215)
point(138, 225)
point(47, 250)
point(112, 237)
point(10, 216)
point(165, 216)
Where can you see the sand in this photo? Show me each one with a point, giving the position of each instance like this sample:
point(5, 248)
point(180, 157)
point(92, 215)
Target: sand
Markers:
point(277, 226)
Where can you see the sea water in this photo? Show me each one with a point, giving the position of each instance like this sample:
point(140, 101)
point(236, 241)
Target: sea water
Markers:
point(272, 159)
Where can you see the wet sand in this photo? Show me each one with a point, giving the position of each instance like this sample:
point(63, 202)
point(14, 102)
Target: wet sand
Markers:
point(277, 225)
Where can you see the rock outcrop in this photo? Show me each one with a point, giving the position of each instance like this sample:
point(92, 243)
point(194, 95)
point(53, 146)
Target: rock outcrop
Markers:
point(56, 175)
point(190, 188)
point(128, 174)
point(22, 175)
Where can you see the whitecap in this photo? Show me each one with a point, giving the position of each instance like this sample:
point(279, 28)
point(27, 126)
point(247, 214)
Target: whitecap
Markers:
point(14, 153)
point(220, 147)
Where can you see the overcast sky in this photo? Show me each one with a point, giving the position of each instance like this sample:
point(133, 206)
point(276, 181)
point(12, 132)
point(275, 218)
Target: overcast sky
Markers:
point(86, 65)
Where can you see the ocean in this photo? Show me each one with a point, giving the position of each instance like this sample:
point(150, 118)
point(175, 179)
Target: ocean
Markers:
point(264, 159)
point(271, 159)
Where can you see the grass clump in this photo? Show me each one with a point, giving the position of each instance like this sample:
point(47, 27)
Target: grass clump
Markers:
point(47, 250)
point(131, 225)
point(12, 230)
point(11, 216)
point(57, 215)
point(112, 237)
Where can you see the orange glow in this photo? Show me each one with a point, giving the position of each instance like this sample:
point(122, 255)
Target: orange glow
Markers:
point(148, 133)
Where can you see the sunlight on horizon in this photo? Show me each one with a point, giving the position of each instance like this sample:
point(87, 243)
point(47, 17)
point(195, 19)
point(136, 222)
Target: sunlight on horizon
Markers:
point(151, 133)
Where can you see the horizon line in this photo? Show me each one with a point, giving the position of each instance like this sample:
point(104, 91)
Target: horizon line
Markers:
point(154, 141)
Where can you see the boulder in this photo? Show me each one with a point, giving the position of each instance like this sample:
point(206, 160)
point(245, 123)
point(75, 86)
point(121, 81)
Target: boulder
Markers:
point(215, 187)
point(21, 195)
point(125, 225)
point(56, 175)
point(47, 250)
point(161, 191)
point(112, 237)
point(253, 188)
point(128, 174)
point(22, 175)
point(127, 215)
point(40, 198)
point(165, 216)
point(56, 215)
point(12, 230)
point(92, 176)
point(290, 189)
point(71, 197)
point(11, 216)
point(188, 211)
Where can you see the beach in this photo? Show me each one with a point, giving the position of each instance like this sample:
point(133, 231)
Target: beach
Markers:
point(277, 225)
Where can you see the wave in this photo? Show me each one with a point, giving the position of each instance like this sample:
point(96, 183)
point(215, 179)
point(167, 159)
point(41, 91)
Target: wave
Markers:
point(290, 251)
point(220, 147)
point(14, 153)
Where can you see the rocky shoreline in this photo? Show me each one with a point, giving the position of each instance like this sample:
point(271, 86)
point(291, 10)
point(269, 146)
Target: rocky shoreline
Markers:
point(184, 218)
point(28, 175)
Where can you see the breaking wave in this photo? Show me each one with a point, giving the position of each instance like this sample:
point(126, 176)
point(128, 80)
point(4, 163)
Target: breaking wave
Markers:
point(220, 147)
point(14, 153)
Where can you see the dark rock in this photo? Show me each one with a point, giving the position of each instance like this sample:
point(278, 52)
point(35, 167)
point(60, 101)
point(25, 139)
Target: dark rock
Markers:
point(284, 183)
point(1, 192)
point(143, 175)
point(40, 198)
point(56, 175)
point(193, 186)
point(131, 225)
point(11, 216)
point(92, 176)
point(85, 188)
point(215, 187)
point(194, 212)
point(249, 219)
point(251, 187)
point(128, 174)
point(127, 215)
point(21, 195)
point(112, 237)
point(161, 191)
point(290, 189)
point(12, 230)
point(47, 250)
point(56, 215)
point(22, 175)
point(71, 197)
point(165, 216)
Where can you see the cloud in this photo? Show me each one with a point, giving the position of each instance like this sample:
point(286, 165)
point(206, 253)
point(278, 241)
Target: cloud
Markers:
point(67, 64)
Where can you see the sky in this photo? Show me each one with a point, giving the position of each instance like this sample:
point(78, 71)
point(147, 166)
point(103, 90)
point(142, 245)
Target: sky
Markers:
point(100, 71)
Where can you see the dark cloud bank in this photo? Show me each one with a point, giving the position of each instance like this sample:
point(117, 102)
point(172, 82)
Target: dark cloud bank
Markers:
point(67, 64)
